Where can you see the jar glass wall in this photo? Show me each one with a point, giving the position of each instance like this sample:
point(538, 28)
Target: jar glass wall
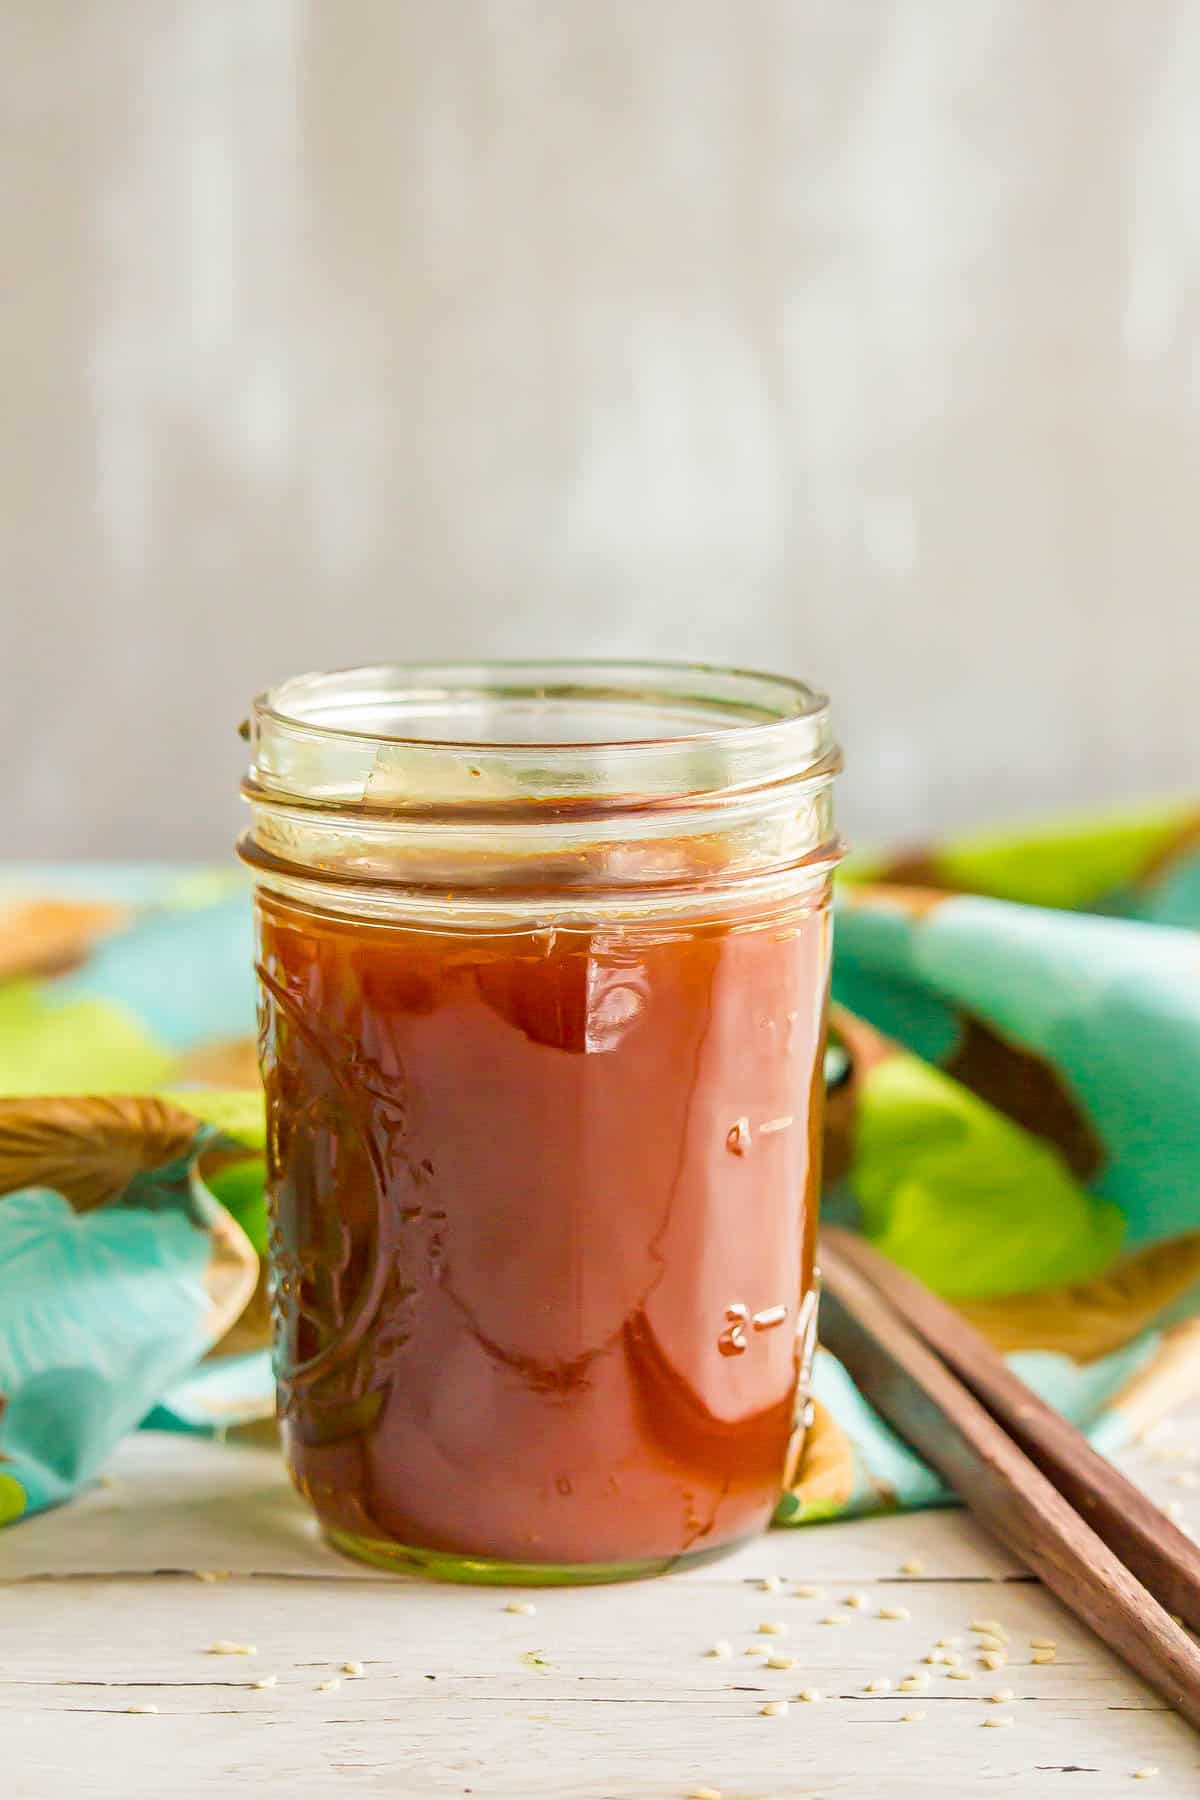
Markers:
point(543, 956)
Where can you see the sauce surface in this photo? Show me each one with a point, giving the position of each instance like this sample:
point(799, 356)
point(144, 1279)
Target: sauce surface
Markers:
point(543, 1209)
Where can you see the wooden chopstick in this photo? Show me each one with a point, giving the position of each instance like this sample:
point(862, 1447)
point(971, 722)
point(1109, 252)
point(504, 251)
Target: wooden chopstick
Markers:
point(914, 1390)
point(1157, 1552)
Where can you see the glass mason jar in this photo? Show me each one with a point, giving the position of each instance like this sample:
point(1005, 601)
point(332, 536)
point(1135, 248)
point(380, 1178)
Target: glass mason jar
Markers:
point(543, 954)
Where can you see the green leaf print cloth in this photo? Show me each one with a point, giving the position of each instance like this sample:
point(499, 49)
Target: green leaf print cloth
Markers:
point(1012, 1114)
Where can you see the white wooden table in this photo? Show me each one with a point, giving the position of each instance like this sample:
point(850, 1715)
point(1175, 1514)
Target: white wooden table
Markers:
point(602, 1692)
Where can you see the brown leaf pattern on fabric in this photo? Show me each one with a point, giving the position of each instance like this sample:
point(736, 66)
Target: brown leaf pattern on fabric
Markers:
point(231, 1063)
point(865, 1047)
point(48, 937)
point(916, 868)
point(826, 1473)
point(1029, 1091)
point(1092, 1318)
point(1180, 844)
point(87, 1147)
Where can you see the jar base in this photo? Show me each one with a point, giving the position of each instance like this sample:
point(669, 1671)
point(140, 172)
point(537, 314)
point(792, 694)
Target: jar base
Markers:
point(486, 1571)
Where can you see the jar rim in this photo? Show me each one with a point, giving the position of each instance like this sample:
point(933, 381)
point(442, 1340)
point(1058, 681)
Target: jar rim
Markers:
point(552, 742)
point(742, 701)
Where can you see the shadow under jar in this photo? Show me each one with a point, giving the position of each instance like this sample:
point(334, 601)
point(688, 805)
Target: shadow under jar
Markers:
point(543, 953)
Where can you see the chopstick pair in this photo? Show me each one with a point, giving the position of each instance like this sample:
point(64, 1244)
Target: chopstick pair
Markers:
point(1031, 1479)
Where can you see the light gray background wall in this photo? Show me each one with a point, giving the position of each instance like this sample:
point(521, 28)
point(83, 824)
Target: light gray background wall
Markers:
point(858, 337)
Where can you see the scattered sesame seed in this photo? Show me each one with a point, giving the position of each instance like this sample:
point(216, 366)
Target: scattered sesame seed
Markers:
point(913, 1566)
point(770, 1584)
point(1001, 1697)
point(704, 1794)
point(781, 1662)
point(990, 1627)
point(804, 1592)
point(226, 1647)
point(910, 1685)
point(352, 1668)
point(211, 1574)
point(894, 1612)
point(772, 1628)
point(813, 1695)
point(329, 1687)
point(755, 1650)
point(835, 1619)
point(1000, 1719)
point(266, 1681)
point(774, 1709)
point(912, 1718)
point(1044, 1656)
point(959, 1675)
point(525, 1607)
point(880, 1686)
point(142, 1708)
point(856, 1601)
point(722, 1647)
point(1146, 1774)
point(994, 1659)
point(949, 1643)
point(985, 1641)
point(1043, 1643)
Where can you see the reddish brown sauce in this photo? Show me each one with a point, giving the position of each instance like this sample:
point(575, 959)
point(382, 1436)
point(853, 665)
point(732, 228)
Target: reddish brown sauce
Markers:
point(543, 1214)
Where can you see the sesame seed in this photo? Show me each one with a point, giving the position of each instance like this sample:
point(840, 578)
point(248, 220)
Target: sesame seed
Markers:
point(912, 1718)
point(772, 1628)
point(993, 1659)
point(893, 1612)
point(755, 1650)
point(910, 1685)
point(704, 1794)
point(1001, 1697)
point(880, 1686)
point(856, 1601)
point(1043, 1644)
point(329, 1687)
point(1043, 1656)
point(1146, 1774)
point(835, 1619)
point(525, 1607)
point(774, 1709)
point(813, 1695)
point(352, 1668)
point(781, 1662)
point(722, 1647)
point(226, 1647)
point(991, 1628)
point(770, 1584)
point(211, 1574)
point(985, 1641)
point(804, 1592)
point(266, 1681)
point(142, 1708)
point(959, 1675)
point(999, 1720)
point(913, 1566)
point(949, 1643)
